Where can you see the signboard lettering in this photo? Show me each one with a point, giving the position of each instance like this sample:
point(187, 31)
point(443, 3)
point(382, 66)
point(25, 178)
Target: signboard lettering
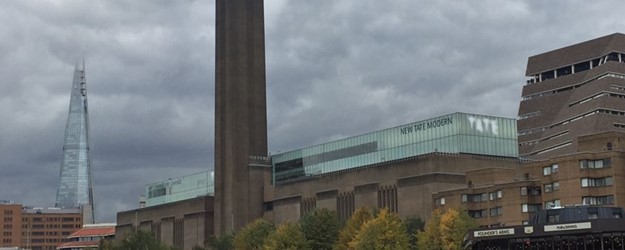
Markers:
point(495, 232)
point(566, 227)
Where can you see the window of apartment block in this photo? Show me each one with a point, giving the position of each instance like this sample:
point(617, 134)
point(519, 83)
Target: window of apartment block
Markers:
point(552, 204)
point(440, 201)
point(598, 200)
point(597, 182)
point(464, 197)
point(525, 208)
point(601, 163)
point(556, 186)
point(530, 191)
point(495, 195)
point(550, 169)
point(548, 188)
point(547, 171)
point(496, 211)
point(478, 213)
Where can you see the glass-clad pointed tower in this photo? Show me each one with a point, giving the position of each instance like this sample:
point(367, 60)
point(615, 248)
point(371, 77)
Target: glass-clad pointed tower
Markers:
point(75, 186)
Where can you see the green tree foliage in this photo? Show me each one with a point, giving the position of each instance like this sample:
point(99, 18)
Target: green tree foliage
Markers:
point(384, 232)
point(347, 234)
point(321, 228)
point(413, 225)
point(429, 238)
point(253, 235)
point(222, 242)
point(287, 236)
point(445, 230)
point(140, 240)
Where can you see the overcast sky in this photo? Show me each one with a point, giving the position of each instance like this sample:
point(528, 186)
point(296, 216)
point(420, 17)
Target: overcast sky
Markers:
point(335, 68)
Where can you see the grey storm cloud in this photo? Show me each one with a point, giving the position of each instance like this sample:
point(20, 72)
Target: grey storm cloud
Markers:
point(334, 69)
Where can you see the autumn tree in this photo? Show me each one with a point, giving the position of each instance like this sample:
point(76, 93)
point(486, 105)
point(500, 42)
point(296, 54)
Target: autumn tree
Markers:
point(253, 235)
point(351, 228)
point(321, 228)
point(454, 226)
point(288, 236)
point(384, 232)
point(429, 238)
point(445, 230)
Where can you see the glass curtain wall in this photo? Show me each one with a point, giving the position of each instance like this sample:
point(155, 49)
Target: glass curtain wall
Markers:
point(454, 133)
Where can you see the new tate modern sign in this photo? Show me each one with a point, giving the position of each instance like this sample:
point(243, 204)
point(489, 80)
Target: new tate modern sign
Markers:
point(426, 125)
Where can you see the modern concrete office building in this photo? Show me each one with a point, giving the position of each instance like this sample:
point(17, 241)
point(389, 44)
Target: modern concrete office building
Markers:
point(572, 91)
point(75, 180)
point(240, 113)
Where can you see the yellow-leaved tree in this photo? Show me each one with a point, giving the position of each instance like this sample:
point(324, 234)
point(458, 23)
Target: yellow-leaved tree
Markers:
point(288, 236)
point(351, 228)
point(445, 230)
point(384, 232)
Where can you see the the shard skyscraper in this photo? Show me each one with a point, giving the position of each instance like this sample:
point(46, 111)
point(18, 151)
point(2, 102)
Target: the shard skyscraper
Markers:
point(75, 185)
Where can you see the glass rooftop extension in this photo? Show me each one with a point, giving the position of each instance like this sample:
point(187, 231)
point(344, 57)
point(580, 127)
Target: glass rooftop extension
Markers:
point(180, 188)
point(453, 133)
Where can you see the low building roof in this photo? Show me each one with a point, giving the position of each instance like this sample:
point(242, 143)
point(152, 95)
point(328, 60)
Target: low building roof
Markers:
point(93, 231)
point(78, 244)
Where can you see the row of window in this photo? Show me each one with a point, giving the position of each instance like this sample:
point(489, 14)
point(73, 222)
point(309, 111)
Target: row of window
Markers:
point(52, 226)
point(483, 213)
point(597, 182)
point(550, 187)
point(530, 191)
point(481, 197)
point(598, 200)
point(601, 163)
point(576, 68)
point(550, 169)
point(583, 164)
point(525, 208)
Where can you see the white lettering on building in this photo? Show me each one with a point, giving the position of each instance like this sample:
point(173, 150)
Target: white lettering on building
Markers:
point(484, 125)
point(565, 227)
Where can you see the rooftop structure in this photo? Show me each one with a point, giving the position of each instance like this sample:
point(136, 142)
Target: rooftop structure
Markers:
point(89, 236)
point(572, 91)
point(180, 188)
point(75, 183)
point(453, 133)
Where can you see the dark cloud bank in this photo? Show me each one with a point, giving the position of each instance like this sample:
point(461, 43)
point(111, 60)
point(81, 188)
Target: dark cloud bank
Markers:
point(334, 69)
